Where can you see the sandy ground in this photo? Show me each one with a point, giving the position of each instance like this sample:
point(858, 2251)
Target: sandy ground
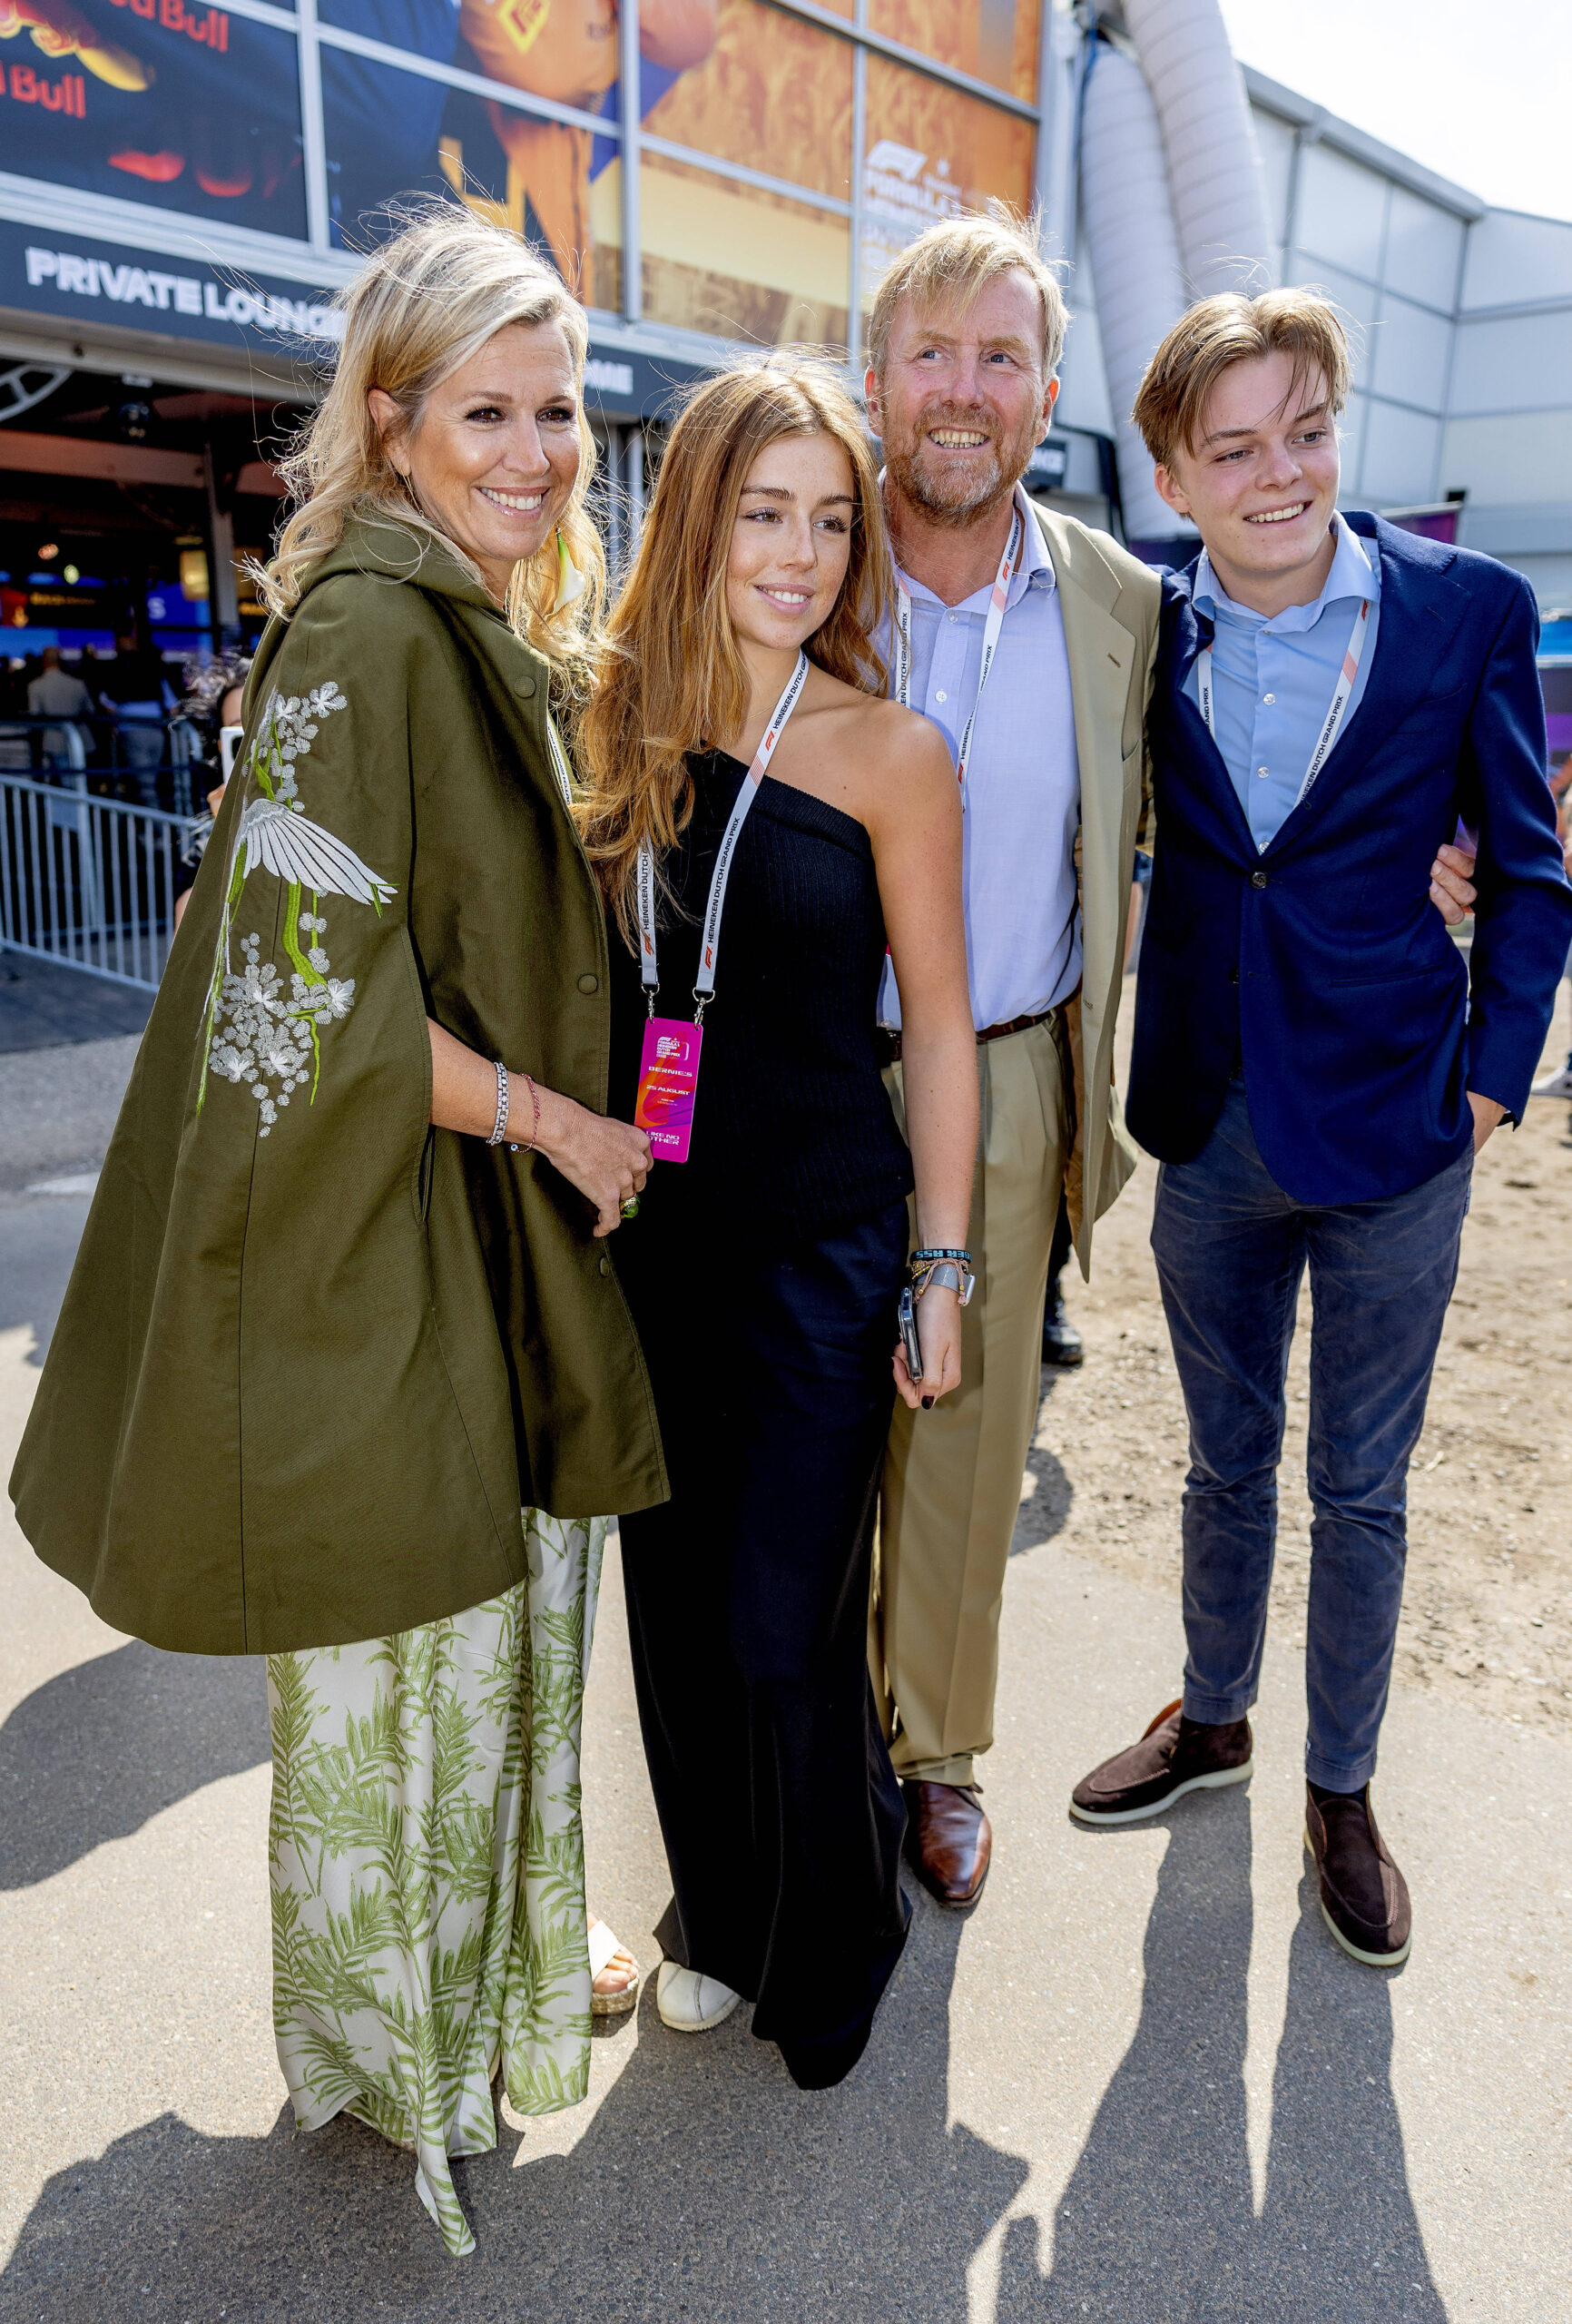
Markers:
point(1487, 1613)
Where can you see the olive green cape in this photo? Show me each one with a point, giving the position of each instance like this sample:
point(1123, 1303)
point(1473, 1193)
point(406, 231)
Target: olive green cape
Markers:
point(315, 1354)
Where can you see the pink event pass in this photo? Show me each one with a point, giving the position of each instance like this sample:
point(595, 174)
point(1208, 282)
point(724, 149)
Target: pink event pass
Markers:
point(668, 1077)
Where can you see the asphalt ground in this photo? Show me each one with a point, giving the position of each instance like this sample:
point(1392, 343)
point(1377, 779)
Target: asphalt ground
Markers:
point(1138, 2082)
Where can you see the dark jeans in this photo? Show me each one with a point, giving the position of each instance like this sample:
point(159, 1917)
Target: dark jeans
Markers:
point(1230, 1249)
point(748, 1608)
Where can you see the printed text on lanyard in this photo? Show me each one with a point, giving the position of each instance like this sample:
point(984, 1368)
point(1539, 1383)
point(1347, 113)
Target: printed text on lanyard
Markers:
point(1330, 724)
point(669, 1066)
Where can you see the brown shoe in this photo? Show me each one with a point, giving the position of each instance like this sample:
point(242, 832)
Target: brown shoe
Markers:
point(1174, 1756)
point(948, 1840)
point(1364, 1898)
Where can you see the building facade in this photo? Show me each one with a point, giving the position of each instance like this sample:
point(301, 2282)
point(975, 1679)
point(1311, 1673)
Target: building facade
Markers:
point(184, 190)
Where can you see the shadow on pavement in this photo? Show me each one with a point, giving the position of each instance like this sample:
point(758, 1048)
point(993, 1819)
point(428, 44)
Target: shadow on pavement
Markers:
point(704, 2186)
point(1046, 1505)
point(1158, 2224)
point(43, 1005)
point(94, 1753)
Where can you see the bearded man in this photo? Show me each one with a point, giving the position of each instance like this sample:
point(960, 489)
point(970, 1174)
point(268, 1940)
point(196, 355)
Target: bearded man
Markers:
point(1029, 640)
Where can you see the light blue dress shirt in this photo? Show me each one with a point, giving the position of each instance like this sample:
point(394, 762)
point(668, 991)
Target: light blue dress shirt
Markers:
point(1272, 679)
point(1022, 808)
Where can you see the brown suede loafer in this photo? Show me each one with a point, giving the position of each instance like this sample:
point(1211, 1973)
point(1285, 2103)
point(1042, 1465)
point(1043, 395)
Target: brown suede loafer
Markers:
point(1174, 1756)
point(948, 1840)
point(1364, 1898)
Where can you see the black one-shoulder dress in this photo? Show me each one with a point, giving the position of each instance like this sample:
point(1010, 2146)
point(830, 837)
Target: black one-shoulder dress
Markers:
point(763, 1274)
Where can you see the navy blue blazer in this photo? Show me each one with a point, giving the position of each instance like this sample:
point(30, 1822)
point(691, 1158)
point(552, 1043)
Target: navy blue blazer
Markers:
point(1322, 963)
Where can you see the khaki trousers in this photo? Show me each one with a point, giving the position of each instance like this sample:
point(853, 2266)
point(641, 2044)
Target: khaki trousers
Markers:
point(952, 1476)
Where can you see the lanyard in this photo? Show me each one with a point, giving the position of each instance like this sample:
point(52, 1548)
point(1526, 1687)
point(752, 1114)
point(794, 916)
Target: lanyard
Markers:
point(1336, 710)
point(558, 759)
point(710, 943)
point(995, 623)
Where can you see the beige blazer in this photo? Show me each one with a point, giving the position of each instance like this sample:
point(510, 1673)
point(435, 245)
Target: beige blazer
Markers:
point(1110, 603)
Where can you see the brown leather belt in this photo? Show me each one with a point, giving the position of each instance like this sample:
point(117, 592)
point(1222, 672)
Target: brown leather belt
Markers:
point(890, 1043)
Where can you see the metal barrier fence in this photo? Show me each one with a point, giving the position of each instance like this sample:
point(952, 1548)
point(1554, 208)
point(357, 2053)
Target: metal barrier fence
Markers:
point(85, 881)
point(152, 762)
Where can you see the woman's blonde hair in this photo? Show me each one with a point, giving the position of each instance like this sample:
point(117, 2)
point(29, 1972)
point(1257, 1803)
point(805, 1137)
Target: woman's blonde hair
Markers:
point(420, 308)
point(674, 679)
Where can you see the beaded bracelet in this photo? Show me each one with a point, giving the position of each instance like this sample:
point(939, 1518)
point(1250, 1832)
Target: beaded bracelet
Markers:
point(935, 1251)
point(528, 1146)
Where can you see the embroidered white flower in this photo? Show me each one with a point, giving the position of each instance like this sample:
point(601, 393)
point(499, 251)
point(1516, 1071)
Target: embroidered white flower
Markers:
point(256, 1031)
point(336, 998)
point(281, 1057)
point(260, 986)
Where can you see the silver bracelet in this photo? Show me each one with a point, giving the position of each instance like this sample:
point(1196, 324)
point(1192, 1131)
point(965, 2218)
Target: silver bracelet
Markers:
point(500, 1131)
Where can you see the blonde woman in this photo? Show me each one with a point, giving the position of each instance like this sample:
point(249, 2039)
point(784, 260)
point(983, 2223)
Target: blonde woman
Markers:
point(343, 1305)
point(762, 823)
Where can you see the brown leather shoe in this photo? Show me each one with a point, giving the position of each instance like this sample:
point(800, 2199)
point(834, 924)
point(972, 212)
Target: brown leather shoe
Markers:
point(1364, 1898)
point(948, 1840)
point(1174, 1756)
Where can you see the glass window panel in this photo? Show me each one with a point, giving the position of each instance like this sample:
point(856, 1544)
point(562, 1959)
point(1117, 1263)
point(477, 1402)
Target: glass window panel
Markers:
point(1516, 363)
point(729, 259)
point(202, 115)
point(532, 174)
point(1410, 352)
point(1274, 140)
point(1513, 259)
point(1355, 300)
point(1341, 210)
point(1401, 452)
point(774, 94)
point(995, 40)
point(424, 27)
point(931, 152)
point(1424, 245)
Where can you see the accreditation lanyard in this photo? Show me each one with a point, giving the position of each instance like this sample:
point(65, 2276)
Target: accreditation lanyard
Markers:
point(995, 623)
point(558, 759)
point(1342, 695)
point(669, 1068)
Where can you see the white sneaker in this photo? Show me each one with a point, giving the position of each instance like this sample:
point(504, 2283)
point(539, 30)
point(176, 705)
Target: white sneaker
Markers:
point(689, 2002)
point(1555, 1085)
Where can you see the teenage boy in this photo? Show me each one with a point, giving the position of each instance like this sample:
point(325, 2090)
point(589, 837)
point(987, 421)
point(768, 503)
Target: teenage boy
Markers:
point(1031, 646)
point(1315, 1066)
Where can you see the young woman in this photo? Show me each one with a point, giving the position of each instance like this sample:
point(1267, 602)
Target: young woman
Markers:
point(761, 823)
point(340, 1308)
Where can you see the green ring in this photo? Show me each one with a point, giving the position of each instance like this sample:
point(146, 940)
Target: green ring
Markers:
point(630, 1209)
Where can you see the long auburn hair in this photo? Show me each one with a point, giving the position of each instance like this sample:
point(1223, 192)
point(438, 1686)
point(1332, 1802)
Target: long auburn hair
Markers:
point(421, 307)
point(673, 679)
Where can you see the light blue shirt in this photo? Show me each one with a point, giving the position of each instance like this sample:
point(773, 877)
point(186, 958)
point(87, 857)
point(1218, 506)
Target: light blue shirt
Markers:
point(1023, 805)
point(1272, 679)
